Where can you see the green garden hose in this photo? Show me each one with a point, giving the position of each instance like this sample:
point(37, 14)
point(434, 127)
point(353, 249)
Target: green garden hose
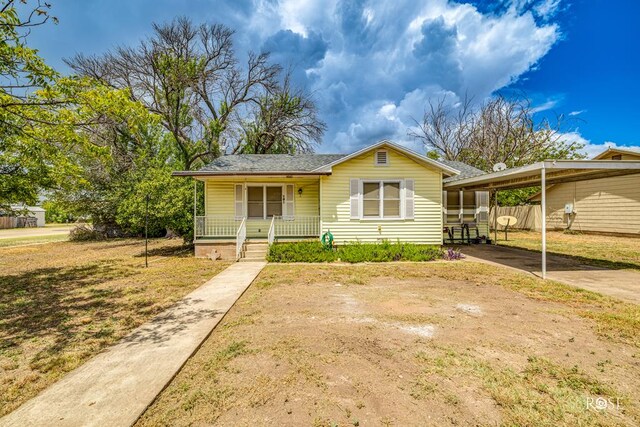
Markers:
point(327, 240)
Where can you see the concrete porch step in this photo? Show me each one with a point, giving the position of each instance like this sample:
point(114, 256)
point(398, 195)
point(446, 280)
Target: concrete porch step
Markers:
point(252, 259)
point(255, 254)
point(257, 246)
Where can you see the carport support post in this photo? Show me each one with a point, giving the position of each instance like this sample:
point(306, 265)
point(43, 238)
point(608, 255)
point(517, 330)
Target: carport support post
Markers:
point(543, 179)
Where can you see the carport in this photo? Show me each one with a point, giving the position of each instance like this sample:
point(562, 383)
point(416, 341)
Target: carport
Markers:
point(548, 172)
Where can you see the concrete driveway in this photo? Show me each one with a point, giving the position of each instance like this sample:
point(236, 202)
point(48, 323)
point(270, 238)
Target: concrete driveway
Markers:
point(52, 230)
point(623, 284)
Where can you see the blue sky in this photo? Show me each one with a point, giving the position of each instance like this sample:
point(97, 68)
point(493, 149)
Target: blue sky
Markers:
point(372, 65)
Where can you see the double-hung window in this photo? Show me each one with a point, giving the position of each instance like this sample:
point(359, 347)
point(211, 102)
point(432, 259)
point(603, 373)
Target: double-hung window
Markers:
point(381, 199)
point(264, 201)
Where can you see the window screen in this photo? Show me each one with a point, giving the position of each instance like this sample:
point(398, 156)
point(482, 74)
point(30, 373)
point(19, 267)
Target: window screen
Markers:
point(391, 203)
point(371, 199)
point(255, 202)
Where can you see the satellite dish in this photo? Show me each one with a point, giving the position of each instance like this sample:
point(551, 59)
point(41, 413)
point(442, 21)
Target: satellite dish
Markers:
point(499, 167)
point(507, 220)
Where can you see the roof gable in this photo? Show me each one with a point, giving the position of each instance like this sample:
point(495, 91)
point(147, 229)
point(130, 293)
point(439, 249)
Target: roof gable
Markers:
point(613, 151)
point(419, 158)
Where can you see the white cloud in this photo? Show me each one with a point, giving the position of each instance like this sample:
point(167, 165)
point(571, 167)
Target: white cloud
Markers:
point(547, 105)
point(383, 60)
point(591, 149)
point(577, 113)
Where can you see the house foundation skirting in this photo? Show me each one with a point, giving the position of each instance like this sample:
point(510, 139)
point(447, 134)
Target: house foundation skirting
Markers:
point(226, 249)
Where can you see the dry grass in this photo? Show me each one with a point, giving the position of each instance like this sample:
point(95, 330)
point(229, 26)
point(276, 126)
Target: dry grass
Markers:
point(61, 303)
point(338, 345)
point(602, 251)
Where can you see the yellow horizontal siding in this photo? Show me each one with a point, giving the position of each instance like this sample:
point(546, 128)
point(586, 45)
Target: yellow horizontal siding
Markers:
point(425, 228)
point(606, 205)
point(220, 198)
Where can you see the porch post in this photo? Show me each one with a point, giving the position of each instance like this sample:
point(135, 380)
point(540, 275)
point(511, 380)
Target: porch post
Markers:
point(320, 204)
point(544, 221)
point(195, 206)
point(495, 219)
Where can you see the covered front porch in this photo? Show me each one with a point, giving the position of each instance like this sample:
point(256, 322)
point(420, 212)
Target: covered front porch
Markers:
point(243, 209)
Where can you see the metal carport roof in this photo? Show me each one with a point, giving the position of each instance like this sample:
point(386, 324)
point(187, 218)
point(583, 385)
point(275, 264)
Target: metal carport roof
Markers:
point(545, 173)
point(557, 171)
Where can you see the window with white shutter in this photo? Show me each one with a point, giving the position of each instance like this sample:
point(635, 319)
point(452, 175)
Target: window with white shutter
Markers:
point(409, 198)
point(482, 206)
point(288, 202)
point(354, 197)
point(239, 201)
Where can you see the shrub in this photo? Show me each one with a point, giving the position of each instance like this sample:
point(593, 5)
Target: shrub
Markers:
point(353, 252)
point(386, 252)
point(84, 233)
point(311, 251)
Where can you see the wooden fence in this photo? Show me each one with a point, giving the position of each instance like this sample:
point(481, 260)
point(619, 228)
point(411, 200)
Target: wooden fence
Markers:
point(8, 222)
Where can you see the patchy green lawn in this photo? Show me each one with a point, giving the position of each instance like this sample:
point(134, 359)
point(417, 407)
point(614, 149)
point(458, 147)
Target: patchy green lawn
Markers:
point(602, 251)
point(440, 343)
point(31, 240)
point(61, 303)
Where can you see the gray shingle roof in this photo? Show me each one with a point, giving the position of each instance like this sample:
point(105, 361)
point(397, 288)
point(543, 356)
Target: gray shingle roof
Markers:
point(270, 162)
point(302, 163)
point(466, 171)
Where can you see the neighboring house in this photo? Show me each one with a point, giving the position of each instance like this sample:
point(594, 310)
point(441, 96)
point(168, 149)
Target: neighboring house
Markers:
point(382, 192)
point(34, 216)
point(605, 205)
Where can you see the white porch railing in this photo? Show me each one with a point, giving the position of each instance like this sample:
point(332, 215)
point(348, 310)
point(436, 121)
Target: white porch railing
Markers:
point(271, 235)
point(299, 226)
point(214, 226)
point(241, 236)
point(279, 227)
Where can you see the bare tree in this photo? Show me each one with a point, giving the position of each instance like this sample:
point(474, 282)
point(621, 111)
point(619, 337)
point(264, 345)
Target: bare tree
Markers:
point(445, 129)
point(500, 130)
point(283, 122)
point(190, 76)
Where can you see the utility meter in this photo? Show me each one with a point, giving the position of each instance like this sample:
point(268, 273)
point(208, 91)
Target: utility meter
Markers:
point(568, 208)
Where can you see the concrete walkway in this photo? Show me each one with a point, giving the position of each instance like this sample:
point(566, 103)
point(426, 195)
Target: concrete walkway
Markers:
point(622, 284)
point(116, 387)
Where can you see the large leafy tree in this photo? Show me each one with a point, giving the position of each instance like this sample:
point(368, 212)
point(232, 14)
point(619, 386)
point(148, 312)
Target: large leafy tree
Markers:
point(28, 164)
point(191, 78)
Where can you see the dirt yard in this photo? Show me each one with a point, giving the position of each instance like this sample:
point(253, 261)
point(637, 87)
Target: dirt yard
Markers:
point(602, 251)
point(404, 344)
point(61, 303)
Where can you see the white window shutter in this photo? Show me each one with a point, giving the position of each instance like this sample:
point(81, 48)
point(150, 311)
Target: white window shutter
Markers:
point(239, 200)
point(409, 198)
point(444, 202)
point(354, 189)
point(288, 202)
point(482, 206)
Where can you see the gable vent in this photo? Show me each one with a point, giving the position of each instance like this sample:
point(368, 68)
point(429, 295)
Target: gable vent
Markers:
point(382, 158)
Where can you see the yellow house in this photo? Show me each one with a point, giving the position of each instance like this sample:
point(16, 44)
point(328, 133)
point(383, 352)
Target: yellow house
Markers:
point(382, 192)
point(605, 205)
